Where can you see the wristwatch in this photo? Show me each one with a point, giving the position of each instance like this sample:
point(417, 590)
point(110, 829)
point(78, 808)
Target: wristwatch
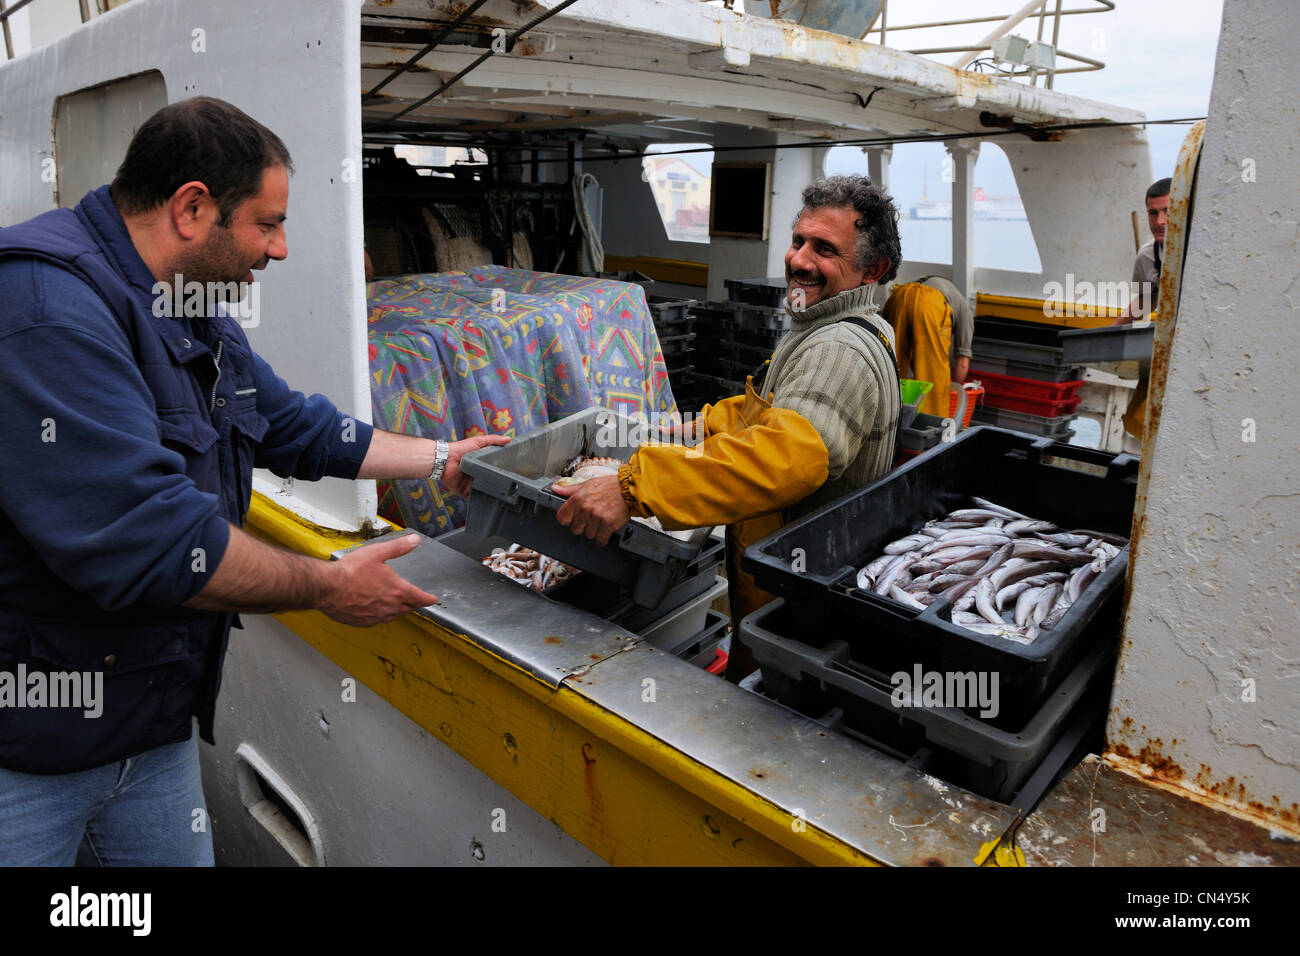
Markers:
point(441, 453)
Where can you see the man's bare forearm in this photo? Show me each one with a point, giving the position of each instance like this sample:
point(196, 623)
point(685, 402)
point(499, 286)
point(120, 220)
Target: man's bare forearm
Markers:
point(256, 578)
point(398, 456)
point(360, 589)
point(1133, 312)
point(406, 456)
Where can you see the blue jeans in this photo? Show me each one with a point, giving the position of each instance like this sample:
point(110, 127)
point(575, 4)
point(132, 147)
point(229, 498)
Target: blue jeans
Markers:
point(140, 811)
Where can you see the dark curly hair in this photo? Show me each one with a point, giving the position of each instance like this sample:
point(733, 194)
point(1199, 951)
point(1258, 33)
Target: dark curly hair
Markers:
point(877, 220)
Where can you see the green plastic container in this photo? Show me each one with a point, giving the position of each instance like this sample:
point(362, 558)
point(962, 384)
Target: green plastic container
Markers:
point(914, 390)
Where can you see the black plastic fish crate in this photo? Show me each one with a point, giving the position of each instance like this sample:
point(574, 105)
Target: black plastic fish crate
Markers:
point(710, 389)
point(763, 317)
point(712, 314)
point(750, 335)
point(768, 292)
point(1011, 340)
point(674, 345)
point(813, 562)
point(512, 499)
point(744, 351)
point(740, 367)
point(667, 311)
point(1014, 756)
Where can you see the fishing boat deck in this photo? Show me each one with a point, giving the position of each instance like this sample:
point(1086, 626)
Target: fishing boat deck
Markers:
point(1100, 815)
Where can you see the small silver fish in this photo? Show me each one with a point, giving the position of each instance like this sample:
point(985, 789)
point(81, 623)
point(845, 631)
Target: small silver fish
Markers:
point(997, 509)
point(984, 596)
point(902, 597)
point(1044, 605)
point(892, 573)
point(1026, 525)
point(909, 543)
point(1025, 605)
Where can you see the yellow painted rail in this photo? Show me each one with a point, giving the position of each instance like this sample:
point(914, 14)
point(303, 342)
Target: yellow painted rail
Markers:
point(624, 794)
point(665, 270)
point(1072, 315)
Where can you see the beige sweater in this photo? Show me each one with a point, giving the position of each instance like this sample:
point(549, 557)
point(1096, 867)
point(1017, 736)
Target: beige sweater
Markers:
point(839, 377)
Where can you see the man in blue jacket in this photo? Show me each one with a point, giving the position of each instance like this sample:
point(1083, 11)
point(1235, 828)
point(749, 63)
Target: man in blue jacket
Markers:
point(127, 443)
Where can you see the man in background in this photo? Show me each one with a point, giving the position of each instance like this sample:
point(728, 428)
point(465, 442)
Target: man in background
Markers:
point(1146, 278)
point(1150, 257)
point(934, 324)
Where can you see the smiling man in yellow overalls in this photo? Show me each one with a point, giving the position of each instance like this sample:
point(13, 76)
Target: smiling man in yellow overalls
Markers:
point(821, 424)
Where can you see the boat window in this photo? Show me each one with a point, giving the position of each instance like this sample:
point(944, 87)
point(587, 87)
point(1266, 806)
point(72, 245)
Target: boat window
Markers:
point(93, 127)
point(920, 180)
point(1003, 239)
point(444, 161)
point(680, 181)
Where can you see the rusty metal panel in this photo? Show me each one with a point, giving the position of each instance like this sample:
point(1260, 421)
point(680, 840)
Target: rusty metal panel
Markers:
point(1101, 816)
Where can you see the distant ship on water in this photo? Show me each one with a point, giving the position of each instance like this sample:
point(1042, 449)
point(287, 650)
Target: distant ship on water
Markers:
point(986, 207)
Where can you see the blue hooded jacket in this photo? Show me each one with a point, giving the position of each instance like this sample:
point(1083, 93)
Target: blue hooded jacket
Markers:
point(127, 444)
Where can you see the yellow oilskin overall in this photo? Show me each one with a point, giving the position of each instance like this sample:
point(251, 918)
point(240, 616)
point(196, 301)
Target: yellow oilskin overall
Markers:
point(922, 323)
point(1135, 416)
point(754, 460)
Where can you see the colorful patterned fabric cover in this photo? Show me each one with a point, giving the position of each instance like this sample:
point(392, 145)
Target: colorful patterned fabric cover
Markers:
point(502, 351)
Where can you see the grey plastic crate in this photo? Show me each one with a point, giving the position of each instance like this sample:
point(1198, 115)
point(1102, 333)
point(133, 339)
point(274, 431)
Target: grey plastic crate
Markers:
point(1113, 344)
point(1018, 351)
point(1057, 427)
point(1041, 373)
point(700, 575)
point(479, 548)
point(672, 629)
point(924, 432)
point(588, 593)
point(701, 649)
point(512, 499)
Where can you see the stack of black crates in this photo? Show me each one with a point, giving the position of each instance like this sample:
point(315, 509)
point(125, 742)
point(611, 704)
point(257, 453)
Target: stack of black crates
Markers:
point(833, 651)
point(735, 338)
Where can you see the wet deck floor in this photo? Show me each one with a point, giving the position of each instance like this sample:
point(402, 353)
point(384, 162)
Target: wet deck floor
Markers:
point(1101, 816)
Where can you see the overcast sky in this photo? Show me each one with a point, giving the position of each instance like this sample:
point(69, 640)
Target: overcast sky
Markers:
point(1159, 57)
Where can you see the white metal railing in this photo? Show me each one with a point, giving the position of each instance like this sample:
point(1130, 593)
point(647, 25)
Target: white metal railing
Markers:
point(7, 11)
point(970, 58)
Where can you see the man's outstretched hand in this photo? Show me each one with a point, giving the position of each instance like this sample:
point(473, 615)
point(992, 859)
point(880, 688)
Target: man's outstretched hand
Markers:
point(363, 590)
point(595, 508)
point(452, 477)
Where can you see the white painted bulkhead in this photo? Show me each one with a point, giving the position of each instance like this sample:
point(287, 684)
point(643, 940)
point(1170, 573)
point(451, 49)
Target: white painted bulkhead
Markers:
point(379, 789)
point(1205, 692)
point(311, 325)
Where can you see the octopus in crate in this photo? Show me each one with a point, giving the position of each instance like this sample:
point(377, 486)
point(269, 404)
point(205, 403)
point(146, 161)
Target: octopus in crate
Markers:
point(530, 568)
point(584, 468)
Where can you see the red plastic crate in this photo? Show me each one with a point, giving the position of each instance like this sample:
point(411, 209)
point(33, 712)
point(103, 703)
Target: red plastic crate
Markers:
point(1027, 406)
point(1032, 389)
